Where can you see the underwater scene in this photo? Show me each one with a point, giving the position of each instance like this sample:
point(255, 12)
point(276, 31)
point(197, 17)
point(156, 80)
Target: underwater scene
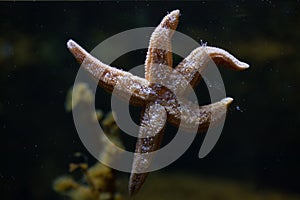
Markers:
point(67, 68)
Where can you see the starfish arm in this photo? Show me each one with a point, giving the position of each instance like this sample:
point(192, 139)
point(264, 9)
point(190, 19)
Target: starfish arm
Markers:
point(223, 58)
point(192, 66)
point(160, 49)
point(128, 85)
point(149, 140)
point(190, 116)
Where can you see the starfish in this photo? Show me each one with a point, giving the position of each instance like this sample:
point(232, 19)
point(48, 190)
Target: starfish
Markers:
point(158, 101)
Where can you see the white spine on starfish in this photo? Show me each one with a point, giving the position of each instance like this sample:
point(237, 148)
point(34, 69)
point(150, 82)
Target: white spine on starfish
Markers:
point(194, 64)
point(191, 116)
point(160, 49)
point(109, 77)
point(150, 136)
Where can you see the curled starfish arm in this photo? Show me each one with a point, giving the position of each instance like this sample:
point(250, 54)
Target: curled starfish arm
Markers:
point(225, 59)
point(194, 64)
point(149, 140)
point(160, 49)
point(128, 84)
point(190, 116)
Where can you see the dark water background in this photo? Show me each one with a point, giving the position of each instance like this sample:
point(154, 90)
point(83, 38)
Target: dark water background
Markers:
point(260, 142)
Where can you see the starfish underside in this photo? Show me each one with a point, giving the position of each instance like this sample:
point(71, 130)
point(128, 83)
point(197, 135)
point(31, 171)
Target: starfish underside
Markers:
point(159, 102)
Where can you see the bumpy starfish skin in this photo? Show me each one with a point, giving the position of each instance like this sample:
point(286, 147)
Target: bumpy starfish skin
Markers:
point(161, 92)
point(191, 67)
point(160, 50)
point(108, 76)
point(150, 137)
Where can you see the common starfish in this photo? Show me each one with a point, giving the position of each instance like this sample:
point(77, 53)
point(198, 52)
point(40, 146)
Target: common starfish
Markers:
point(159, 102)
